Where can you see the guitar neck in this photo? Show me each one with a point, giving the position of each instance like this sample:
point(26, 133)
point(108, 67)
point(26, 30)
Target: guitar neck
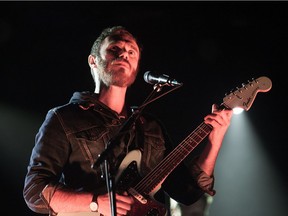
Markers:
point(173, 159)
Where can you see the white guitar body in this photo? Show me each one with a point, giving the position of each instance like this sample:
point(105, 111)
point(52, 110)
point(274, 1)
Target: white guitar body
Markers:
point(134, 155)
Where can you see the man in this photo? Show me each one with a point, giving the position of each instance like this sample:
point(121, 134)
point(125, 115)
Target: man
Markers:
point(61, 178)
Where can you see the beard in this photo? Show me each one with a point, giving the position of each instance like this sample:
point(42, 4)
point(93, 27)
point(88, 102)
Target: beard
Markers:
point(116, 77)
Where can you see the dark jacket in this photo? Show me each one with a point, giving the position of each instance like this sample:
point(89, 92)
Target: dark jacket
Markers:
point(73, 136)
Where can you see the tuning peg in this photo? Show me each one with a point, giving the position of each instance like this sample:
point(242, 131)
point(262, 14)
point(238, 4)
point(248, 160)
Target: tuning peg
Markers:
point(244, 86)
point(251, 83)
point(239, 89)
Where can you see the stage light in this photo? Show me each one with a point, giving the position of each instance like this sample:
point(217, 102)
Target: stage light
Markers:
point(237, 110)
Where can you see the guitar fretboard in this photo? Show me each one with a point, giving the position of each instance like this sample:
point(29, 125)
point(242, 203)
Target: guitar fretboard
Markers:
point(173, 159)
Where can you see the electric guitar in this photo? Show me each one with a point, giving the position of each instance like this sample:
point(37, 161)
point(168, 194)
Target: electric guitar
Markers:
point(144, 188)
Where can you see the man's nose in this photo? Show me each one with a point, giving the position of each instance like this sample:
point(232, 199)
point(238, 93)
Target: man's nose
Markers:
point(123, 54)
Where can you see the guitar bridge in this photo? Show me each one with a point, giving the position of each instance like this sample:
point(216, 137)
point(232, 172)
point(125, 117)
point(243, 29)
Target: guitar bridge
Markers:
point(137, 196)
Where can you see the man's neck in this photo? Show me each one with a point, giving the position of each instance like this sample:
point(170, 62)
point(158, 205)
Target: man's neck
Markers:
point(113, 97)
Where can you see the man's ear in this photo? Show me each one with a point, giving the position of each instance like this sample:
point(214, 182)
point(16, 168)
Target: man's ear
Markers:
point(92, 61)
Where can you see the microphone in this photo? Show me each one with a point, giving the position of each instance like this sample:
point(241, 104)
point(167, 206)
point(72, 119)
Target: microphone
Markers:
point(151, 78)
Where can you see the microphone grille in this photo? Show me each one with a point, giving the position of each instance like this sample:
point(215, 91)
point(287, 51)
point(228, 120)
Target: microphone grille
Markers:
point(146, 75)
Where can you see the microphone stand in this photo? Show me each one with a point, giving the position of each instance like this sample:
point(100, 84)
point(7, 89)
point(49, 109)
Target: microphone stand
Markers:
point(102, 158)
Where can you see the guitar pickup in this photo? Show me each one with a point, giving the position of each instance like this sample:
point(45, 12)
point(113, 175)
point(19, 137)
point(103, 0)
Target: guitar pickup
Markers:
point(137, 196)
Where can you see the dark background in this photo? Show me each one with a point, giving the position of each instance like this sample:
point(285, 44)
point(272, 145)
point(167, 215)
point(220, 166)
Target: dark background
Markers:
point(212, 47)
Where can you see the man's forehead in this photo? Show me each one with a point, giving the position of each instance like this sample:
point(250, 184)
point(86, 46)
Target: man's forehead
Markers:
point(122, 35)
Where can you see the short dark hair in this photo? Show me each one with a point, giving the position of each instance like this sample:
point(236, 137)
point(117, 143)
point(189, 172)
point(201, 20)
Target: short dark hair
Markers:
point(95, 50)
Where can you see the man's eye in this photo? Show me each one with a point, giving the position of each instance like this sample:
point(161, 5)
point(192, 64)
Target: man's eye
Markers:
point(114, 48)
point(132, 52)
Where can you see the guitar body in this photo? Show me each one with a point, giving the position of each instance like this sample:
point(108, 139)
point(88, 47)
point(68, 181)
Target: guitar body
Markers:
point(128, 176)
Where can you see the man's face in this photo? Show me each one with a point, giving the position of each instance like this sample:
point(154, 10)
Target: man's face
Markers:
point(119, 60)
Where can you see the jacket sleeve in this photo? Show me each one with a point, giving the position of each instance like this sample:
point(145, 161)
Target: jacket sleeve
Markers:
point(46, 163)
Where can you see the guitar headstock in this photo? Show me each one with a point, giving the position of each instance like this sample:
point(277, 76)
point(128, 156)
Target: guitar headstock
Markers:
point(244, 97)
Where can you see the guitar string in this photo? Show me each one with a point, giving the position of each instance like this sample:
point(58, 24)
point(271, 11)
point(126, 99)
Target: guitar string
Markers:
point(177, 154)
point(181, 151)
